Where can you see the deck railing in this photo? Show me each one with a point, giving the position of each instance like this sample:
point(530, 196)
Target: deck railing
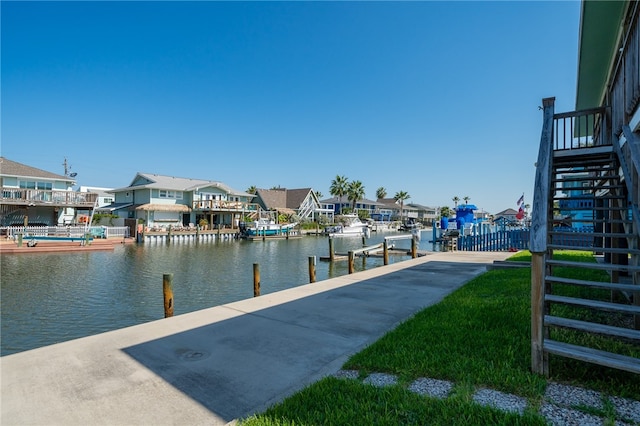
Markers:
point(36, 197)
point(579, 129)
point(223, 205)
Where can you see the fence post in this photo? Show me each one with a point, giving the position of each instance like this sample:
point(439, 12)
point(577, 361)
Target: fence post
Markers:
point(167, 290)
point(312, 269)
point(351, 257)
point(256, 280)
point(385, 246)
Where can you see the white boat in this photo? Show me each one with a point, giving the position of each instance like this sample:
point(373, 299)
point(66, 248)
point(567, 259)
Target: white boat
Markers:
point(266, 227)
point(351, 226)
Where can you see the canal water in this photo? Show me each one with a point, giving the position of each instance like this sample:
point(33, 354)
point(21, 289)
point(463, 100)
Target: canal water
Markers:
point(51, 298)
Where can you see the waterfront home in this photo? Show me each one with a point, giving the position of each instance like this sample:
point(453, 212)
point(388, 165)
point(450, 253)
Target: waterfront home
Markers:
point(159, 201)
point(35, 197)
point(390, 207)
point(341, 203)
point(427, 215)
point(302, 203)
point(506, 216)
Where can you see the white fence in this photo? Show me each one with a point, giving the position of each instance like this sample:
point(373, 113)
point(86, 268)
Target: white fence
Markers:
point(66, 231)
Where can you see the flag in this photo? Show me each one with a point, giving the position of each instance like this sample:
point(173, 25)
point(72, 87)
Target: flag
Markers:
point(520, 200)
point(520, 214)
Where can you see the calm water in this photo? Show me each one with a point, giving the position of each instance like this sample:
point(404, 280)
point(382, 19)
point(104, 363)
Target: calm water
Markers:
point(51, 298)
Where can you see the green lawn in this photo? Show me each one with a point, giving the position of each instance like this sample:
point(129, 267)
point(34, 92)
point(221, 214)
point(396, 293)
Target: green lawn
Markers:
point(478, 336)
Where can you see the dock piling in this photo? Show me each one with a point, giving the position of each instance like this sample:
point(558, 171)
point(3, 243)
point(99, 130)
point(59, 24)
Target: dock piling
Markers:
point(167, 290)
point(256, 279)
point(312, 269)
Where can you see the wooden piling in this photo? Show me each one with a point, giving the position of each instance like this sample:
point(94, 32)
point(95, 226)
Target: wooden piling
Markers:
point(256, 280)
point(331, 253)
point(167, 290)
point(312, 269)
point(385, 246)
point(351, 257)
point(414, 247)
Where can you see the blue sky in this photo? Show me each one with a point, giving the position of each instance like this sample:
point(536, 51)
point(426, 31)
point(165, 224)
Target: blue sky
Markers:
point(437, 99)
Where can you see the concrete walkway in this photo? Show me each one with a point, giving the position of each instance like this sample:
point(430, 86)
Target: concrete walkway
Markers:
point(219, 364)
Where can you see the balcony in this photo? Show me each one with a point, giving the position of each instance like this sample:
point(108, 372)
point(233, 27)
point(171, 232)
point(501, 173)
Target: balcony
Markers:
point(41, 197)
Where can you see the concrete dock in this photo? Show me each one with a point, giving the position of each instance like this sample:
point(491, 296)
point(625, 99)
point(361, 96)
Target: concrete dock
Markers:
point(223, 363)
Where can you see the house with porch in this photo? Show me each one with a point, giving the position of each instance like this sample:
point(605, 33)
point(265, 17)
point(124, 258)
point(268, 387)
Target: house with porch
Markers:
point(342, 203)
point(302, 203)
point(35, 197)
point(159, 201)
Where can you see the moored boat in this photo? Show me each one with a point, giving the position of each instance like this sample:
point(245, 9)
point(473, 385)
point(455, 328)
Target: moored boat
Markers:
point(351, 226)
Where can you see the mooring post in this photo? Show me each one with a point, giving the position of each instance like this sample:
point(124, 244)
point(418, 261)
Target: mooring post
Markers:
point(256, 279)
point(414, 247)
point(169, 235)
point(331, 253)
point(312, 269)
point(20, 239)
point(167, 290)
point(351, 257)
point(364, 241)
point(385, 245)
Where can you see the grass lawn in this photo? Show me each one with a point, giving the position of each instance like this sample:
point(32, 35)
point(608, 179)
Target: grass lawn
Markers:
point(478, 336)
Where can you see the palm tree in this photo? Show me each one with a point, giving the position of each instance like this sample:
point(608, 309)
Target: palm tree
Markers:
point(252, 189)
point(381, 193)
point(318, 194)
point(355, 192)
point(445, 212)
point(456, 200)
point(338, 188)
point(401, 196)
point(466, 200)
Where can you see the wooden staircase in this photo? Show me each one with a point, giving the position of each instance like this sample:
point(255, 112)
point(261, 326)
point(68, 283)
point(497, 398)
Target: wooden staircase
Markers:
point(582, 203)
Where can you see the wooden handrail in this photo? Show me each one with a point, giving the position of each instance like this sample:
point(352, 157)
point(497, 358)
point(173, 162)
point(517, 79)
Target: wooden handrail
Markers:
point(540, 211)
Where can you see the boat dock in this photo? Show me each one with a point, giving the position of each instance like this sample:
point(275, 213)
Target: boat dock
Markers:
point(227, 362)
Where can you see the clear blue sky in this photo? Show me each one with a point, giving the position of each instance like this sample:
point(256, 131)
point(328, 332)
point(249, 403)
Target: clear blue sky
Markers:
point(437, 99)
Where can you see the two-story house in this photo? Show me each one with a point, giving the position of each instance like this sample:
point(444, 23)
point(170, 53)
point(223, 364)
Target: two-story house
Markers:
point(160, 201)
point(35, 197)
point(301, 202)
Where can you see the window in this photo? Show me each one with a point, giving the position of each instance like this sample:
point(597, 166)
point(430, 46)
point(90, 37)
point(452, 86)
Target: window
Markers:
point(30, 184)
point(163, 193)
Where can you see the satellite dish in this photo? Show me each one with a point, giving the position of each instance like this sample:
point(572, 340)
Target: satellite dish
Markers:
point(73, 175)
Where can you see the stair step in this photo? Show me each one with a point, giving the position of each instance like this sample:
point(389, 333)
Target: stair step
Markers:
point(585, 178)
point(593, 304)
point(598, 249)
point(593, 265)
point(592, 327)
point(590, 234)
point(597, 284)
point(589, 197)
point(594, 356)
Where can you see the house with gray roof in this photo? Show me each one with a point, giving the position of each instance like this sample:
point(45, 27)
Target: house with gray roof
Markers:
point(161, 201)
point(36, 197)
point(301, 202)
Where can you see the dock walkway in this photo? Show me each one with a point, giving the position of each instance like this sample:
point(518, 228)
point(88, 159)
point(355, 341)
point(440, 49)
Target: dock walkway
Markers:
point(223, 363)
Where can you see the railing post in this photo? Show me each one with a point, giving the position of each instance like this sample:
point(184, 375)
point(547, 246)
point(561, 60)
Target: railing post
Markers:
point(539, 221)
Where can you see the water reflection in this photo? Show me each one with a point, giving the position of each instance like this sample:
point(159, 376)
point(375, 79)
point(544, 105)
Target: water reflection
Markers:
point(50, 298)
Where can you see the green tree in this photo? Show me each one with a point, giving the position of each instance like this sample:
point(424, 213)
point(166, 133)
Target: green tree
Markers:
point(401, 196)
point(355, 192)
point(456, 200)
point(466, 199)
point(445, 212)
point(338, 188)
point(318, 194)
point(252, 189)
point(381, 193)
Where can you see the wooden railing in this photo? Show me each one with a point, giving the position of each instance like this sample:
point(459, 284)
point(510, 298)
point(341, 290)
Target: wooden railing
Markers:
point(39, 197)
point(223, 205)
point(580, 129)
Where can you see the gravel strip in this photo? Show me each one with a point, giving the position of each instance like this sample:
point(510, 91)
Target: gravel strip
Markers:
point(572, 396)
point(501, 401)
point(627, 409)
point(431, 387)
point(381, 379)
point(561, 416)
point(347, 374)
